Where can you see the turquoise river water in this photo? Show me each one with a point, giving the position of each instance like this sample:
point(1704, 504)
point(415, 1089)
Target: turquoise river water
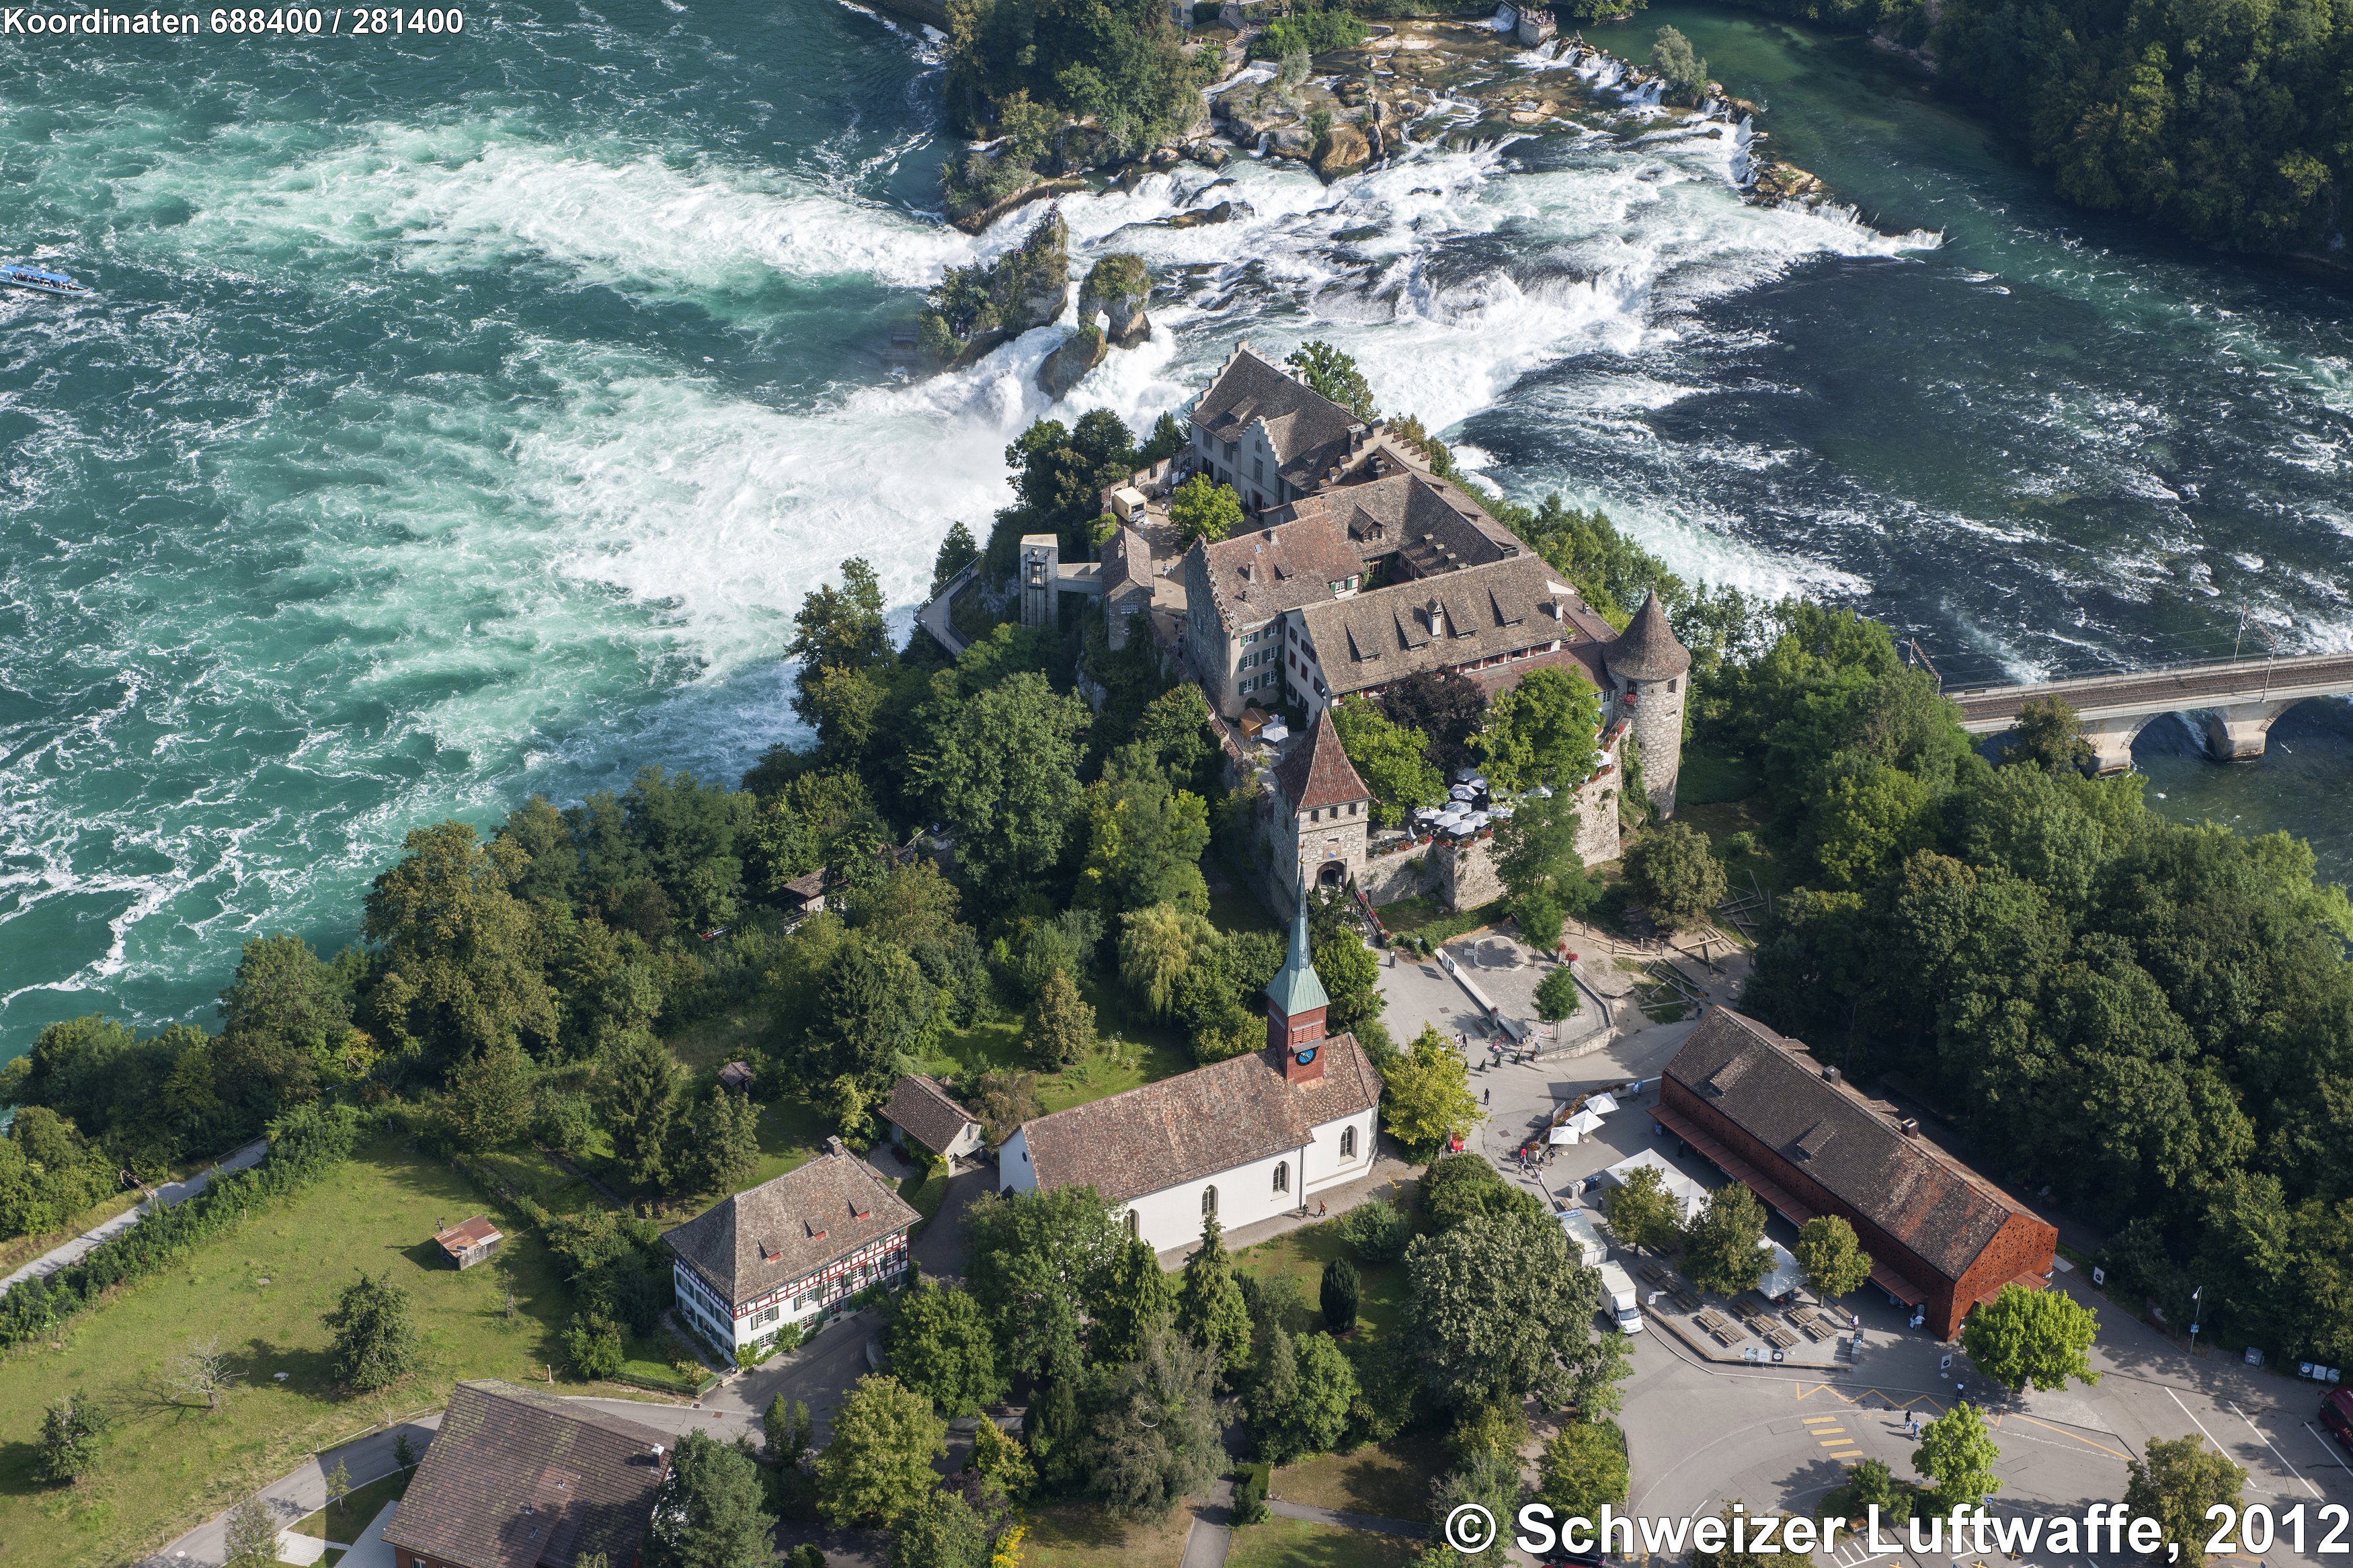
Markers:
point(466, 417)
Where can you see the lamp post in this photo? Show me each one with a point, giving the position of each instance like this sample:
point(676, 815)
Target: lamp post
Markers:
point(2196, 1298)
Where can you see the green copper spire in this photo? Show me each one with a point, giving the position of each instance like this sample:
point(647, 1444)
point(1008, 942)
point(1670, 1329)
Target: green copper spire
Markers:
point(1294, 988)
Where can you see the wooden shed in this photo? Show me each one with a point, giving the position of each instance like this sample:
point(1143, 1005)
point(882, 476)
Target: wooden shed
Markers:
point(470, 1240)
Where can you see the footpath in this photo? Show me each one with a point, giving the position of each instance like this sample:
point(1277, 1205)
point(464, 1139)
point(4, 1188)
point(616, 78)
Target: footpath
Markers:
point(167, 1197)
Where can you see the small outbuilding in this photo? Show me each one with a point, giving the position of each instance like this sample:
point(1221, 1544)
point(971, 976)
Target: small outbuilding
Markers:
point(737, 1076)
point(803, 896)
point(921, 1110)
point(470, 1240)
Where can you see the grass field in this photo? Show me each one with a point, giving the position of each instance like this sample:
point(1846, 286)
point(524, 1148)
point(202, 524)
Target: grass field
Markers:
point(343, 1521)
point(164, 1466)
point(1298, 1544)
point(1421, 916)
point(1301, 1253)
point(1081, 1535)
point(1390, 1480)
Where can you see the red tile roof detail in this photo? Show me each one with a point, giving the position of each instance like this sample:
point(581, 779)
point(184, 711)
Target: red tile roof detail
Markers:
point(1315, 773)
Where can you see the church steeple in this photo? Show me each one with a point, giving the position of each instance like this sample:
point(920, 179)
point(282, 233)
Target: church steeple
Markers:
point(1295, 1001)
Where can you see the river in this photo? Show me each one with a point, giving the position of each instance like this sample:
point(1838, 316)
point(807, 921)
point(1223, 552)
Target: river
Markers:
point(467, 416)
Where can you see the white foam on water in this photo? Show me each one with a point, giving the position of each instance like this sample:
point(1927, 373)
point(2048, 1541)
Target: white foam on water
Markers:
point(485, 192)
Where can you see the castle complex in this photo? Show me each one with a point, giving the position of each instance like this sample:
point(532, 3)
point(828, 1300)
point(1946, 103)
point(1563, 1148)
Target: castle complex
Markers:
point(1358, 568)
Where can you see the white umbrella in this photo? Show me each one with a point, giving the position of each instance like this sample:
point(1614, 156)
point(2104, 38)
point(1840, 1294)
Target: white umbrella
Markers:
point(1461, 791)
point(1584, 1121)
point(1602, 1104)
point(1563, 1135)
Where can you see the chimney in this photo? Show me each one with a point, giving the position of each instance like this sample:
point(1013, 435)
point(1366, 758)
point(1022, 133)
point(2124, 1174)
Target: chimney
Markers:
point(1437, 618)
point(1830, 1075)
point(835, 1147)
point(1909, 1127)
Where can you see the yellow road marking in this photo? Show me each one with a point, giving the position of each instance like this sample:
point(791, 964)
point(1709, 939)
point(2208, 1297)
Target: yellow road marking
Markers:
point(1835, 1443)
point(1817, 1420)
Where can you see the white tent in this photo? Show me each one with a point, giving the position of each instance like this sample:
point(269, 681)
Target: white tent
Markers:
point(1689, 1195)
point(1783, 1277)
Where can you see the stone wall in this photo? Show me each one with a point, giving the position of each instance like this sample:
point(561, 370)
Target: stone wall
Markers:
point(1399, 874)
point(1466, 874)
point(1597, 813)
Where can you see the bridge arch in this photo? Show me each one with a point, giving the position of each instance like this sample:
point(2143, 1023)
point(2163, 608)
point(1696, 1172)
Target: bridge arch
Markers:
point(2229, 705)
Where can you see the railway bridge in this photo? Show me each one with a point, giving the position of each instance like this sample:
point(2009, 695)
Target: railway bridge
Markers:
point(2230, 701)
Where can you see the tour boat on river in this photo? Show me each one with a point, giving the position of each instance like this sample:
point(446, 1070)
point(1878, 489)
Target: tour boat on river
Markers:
point(25, 274)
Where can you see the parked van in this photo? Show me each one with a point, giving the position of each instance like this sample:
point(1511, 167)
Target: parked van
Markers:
point(1617, 1297)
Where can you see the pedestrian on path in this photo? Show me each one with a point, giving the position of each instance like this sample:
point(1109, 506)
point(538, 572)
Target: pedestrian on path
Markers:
point(1491, 1096)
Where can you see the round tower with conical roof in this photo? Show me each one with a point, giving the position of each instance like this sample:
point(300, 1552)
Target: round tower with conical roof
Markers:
point(1650, 679)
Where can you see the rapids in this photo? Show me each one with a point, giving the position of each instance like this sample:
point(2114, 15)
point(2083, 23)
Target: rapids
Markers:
point(466, 417)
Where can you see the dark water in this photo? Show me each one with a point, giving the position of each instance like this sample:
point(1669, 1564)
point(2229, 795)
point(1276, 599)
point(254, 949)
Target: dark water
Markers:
point(467, 416)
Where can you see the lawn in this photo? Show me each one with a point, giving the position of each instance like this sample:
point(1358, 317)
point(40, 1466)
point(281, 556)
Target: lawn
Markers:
point(1298, 1544)
point(1389, 1480)
point(163, 1466)
point(343, 1521)
point(1710, 777)
point(1134, 1049)
point(1232, 907)
point(1301, 1253)
point(1082, 1535)
point(1421, 916)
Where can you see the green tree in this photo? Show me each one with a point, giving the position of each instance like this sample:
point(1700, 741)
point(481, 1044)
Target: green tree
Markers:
point(790, 1430)
point(874, 1010)
point(291, 1013)
point(1351, 976)
point(593, 1344)
point(490, 1097)
point(1584, 1466)
point(67, 1449)
point(1725, 1557)
point(1672, 873)
point(1445, 705)
point(1721, 1250)
point(1496, 1309)
point(940, 1346)
point(1136, 1300)
point(1393, 760)
point(708, 1512)
point(250, 1536)
point(1339, 1292)
point(1202, 510)
point(1869, 1485)
point(1673, 57)
point(1300, 1396)
point(456, 969)
point(636, 1086)
point(837, 629)
point(1556, 995)
point(1157, 947)
point(878, 1463)
point(2178, 1480)
point(1332, 372)
point(2037, 1336)
point(1832, 1260)
point(376, 1339)
point(1145, 838)
point(958, 550)
point(1459, 1187)
point(1957, 1454)
point(1426, 1096)
point(1034, 1261)
point(1542, 731)
point(940, 1531)
point(1061, 1028)
point(1149, 1429)
point(1001, 770)
point(1537, 858)
point(1209, 1307)
point(718, 1145)
point(1001, 1462)
point(2048, 736)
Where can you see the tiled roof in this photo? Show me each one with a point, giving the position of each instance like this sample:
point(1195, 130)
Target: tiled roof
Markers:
point(1126, 558)
point(1647, 649)
point(517, 1478)
point(1435, 526)
point(919, 1107)
point(1768, 1086)
point(1267, 571)
point(788, 1228)
point(1315, 771)
point(1481, 611)
point(1309, 432)
point(1196, 1124)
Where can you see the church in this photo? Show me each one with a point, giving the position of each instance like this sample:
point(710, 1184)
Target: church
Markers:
point(1248, 1139)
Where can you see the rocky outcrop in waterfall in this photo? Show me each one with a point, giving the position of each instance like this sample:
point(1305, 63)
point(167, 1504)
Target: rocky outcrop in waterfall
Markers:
point(1069, 363)
point(976, 308)
point(1118, 287)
